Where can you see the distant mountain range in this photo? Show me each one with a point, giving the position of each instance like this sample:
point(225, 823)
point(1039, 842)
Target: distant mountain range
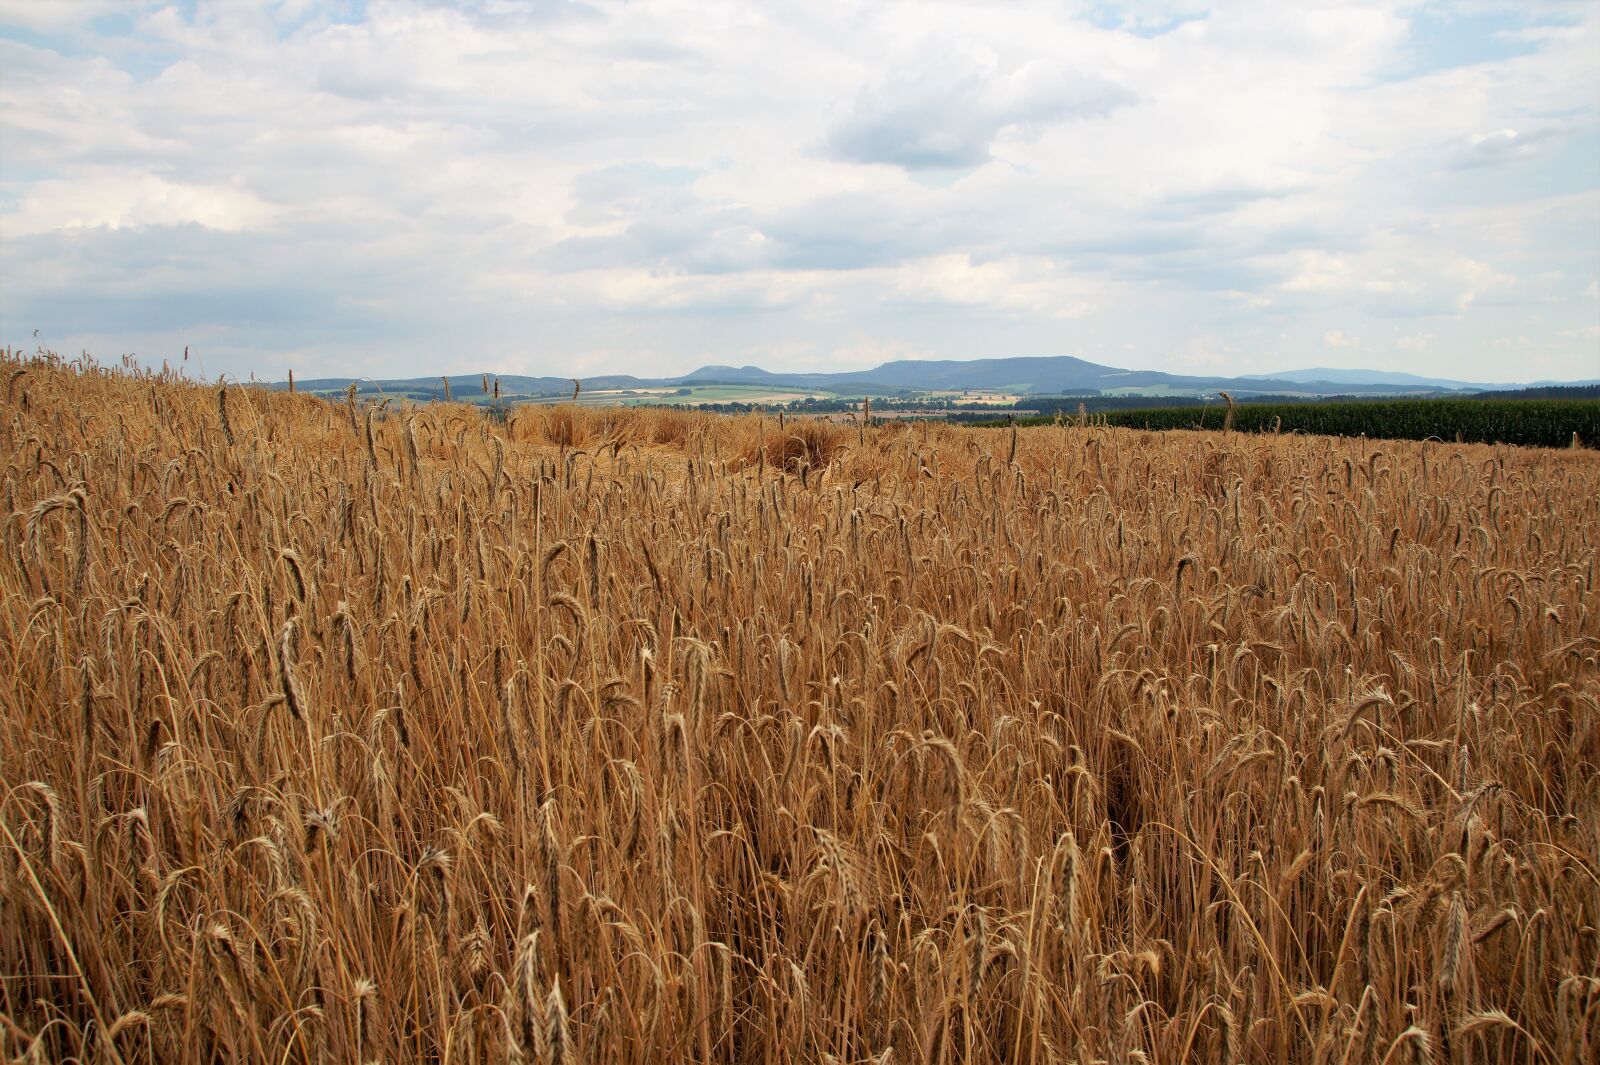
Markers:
point(1328, 375)
point(1052, 375)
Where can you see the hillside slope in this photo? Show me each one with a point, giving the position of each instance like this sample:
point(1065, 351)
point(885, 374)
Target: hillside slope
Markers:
point(1044, 375)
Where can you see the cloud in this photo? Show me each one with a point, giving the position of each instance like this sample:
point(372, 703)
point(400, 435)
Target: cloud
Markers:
point(385, 187)
point(1206, 354)
point(121, 200)
point(1028, 286)
point(47, 16)
point(945, 107)
point(1502, 146)
point(1393, 273)
point(1338, 338)
point(1224, 197)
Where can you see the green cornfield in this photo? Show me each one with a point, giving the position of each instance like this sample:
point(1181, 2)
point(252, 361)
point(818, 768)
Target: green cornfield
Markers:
point(1524, 422)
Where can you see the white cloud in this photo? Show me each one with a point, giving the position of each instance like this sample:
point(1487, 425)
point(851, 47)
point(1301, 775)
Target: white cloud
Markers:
point(1033, 287)
point(648, 187)
point(944, 106)
point(867, 351)
point(1206, 354)
point(1507, 145)
point(1338, 338)
point(47, 16)
point(119, 200)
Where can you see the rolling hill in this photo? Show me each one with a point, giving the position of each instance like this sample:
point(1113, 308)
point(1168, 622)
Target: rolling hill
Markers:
point(1049, 375)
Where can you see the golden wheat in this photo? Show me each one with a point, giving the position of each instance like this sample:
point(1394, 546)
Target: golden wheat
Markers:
point(379, 734)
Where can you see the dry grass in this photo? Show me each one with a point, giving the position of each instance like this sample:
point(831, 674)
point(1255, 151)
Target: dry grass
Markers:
point(331, 734)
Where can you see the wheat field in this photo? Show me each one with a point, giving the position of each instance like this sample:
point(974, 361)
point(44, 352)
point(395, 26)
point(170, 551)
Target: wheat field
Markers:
point(357, 733)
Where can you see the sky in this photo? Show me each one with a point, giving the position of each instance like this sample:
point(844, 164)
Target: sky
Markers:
point(399, 188)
